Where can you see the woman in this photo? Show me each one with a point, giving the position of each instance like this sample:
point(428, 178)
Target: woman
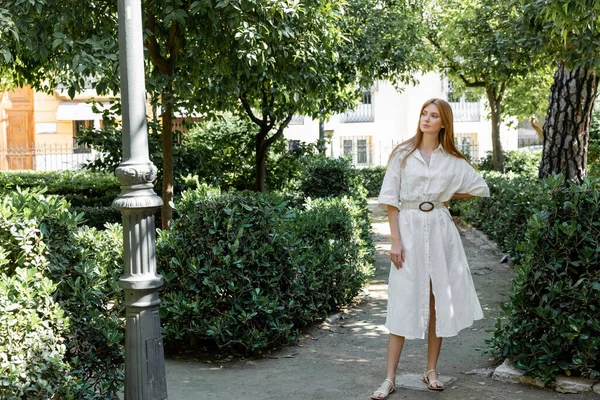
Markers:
point(430, 286)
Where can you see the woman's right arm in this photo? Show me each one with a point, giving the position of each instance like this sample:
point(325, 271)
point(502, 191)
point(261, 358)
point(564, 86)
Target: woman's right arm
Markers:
point(397, 250)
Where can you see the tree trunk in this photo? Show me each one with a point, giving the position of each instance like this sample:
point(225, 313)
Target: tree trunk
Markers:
point(566, 131)
point(261, 158)
point(497, 152)
point(322, 146)
point(167, 150)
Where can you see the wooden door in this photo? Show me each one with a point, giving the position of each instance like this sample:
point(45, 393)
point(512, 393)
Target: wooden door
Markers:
point(19, 140)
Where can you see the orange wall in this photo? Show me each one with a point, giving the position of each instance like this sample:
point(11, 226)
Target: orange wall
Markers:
point(45, 107)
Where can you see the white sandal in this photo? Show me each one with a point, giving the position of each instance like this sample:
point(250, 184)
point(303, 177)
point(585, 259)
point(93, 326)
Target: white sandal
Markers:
point(434, 384)
point(385, 396)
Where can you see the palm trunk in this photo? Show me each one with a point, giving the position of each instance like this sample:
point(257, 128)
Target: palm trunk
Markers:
point(566, 131)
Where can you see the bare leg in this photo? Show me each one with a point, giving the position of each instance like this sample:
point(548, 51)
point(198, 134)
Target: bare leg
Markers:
point(395, 345)
point(434, 343)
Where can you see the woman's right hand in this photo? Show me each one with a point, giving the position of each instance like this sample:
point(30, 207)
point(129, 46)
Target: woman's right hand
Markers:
point(397, 252)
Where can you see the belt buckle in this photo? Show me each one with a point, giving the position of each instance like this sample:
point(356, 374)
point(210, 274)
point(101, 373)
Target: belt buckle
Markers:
point(431, 206)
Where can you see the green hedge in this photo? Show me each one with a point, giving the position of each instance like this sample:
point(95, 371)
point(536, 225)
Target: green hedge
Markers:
point(89, 192)
point(372, 179)
point(32, 335)
point(552, 322)
point(503, 216)
point(519, 162)
point(325, 177)
point(66, 278)
point(246, 270)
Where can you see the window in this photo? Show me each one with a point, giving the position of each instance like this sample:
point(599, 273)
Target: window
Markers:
point(361, 151)
point(468, 144)
point(347, 148)
point(357, 149)
point(297, 120)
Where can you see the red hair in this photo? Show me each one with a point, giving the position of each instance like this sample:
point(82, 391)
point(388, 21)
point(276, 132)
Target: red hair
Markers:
point(445, 135)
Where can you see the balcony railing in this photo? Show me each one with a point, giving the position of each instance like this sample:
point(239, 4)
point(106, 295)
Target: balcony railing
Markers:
point(297, 120)
point(466, 111)
point(362, 113)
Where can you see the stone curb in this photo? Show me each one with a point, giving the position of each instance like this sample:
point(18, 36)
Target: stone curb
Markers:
point(562, 384)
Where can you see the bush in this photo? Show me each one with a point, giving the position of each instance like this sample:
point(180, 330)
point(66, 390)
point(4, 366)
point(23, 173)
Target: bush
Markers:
point(330, 177)
point(372, 178)
point(503, 216)
point(87, 192)
point(553, 318)
point(32, 328)
point(518, 162)
point(220, 152)
point(246, 271)
point(326, 177)
point(83, 264)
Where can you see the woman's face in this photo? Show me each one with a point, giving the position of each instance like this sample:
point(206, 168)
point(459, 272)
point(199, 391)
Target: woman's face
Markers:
point(431, 120)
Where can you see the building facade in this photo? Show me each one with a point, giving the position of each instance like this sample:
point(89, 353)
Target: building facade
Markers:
point(386, 117)
point(37, 130)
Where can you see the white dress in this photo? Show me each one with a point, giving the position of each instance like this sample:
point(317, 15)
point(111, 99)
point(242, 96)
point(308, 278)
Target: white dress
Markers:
point(433, 248)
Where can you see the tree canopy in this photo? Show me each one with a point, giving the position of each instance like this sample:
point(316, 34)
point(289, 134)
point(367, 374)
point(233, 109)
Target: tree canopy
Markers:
point(480, 44)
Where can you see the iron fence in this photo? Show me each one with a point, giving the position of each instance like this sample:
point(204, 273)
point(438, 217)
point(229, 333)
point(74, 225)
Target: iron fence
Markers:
point(47, 157)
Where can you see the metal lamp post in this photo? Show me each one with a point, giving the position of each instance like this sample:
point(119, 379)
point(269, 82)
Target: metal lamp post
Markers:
point(145, 377)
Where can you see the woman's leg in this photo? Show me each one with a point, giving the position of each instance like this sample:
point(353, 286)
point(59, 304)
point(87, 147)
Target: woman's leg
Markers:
point(434, 343)
point(395, 345)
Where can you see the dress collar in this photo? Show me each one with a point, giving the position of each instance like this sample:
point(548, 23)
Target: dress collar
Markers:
point(441, 148)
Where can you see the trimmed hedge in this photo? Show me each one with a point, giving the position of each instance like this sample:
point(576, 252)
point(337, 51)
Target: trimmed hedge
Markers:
point(89, 192)
point(372, 179)
point(330, 177)
point(503, 216)
point(246, 271)
point(553, 318)
point(551, 324)
point(519, 162)
point(69, 343)
point(326, 177)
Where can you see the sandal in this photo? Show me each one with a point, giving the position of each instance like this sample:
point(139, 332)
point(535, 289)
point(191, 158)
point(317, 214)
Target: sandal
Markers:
point(430, 383)
point(383, 393)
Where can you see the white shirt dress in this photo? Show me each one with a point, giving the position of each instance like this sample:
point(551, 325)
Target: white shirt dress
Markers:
point(432, 244)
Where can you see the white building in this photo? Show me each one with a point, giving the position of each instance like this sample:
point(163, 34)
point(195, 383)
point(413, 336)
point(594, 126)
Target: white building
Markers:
point(387, 117)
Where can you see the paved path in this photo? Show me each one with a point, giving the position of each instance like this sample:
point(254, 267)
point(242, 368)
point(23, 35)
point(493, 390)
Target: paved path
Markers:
point(345, 358)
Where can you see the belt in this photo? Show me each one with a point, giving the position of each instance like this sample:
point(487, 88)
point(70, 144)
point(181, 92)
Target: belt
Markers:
point(424, 206)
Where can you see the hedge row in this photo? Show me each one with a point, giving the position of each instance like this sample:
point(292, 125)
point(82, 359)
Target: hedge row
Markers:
point(552, 322)
point(60, 333)
point(248, 270)
point(89, 192)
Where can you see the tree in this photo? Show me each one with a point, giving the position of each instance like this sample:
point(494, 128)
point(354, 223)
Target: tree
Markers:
point(73, 44)
point(269, 59)
point(570, 36)
point(480, 44)
point(275, 59)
